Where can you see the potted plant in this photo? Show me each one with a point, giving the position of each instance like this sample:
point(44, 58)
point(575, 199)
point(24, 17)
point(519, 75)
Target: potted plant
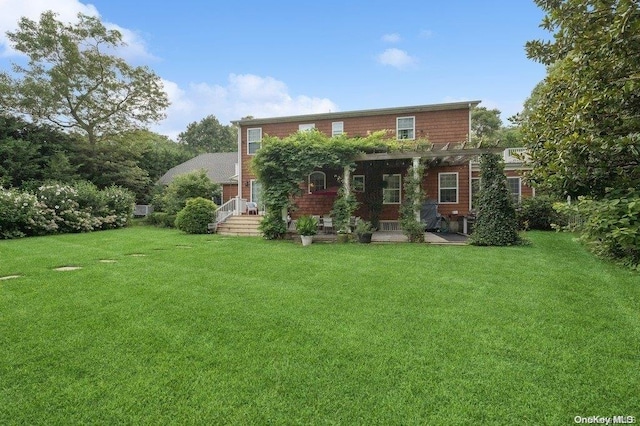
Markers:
point(364, 231)
point(307, 227)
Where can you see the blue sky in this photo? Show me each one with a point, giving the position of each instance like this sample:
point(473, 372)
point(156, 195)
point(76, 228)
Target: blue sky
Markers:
point(233, 59)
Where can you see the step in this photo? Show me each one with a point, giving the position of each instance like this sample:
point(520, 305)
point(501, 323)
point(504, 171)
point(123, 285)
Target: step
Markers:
point(244, 225)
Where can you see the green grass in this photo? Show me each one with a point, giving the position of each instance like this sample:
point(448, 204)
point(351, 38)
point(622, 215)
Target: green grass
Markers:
point(213, 330)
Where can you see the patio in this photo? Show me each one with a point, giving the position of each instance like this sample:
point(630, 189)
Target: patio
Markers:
point(399, 237)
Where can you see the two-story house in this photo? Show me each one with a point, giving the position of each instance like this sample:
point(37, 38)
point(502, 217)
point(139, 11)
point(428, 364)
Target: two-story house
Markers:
point(451, 175)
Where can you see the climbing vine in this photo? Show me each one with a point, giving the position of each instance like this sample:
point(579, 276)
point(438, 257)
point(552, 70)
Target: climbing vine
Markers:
point(414, 197)
point(282, 163)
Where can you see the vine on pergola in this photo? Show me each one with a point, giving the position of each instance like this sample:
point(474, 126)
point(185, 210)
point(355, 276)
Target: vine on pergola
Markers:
point(282, 163)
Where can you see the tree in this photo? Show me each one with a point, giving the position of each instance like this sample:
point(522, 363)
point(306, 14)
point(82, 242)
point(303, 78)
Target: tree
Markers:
point(31, 153)
point(189, 185)
point(72, 82)
point(209, 136)
point(487, 128)
point(583, 127)
point(485, 122)
point(496, 223)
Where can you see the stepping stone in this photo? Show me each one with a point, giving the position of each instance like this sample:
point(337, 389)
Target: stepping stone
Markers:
point(107, 261)
point(9, 277)
point(68, 268)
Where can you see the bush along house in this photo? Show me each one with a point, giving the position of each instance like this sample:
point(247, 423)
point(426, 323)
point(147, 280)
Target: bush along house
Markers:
point(451, 178)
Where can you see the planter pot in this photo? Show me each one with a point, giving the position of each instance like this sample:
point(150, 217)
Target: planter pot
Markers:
point(365, 238)
point(306, 239)
point(343, 238)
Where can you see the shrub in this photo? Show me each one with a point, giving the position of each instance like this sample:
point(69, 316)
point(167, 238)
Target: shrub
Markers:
point(196, 215)
point(343, 208)
point(162, 219)
point(272, 226)
point(119, 205)
point(190, 185)
point(496, 223)
point(62, 208)
point(538, 213)
point(21, 214)
point(610, 227)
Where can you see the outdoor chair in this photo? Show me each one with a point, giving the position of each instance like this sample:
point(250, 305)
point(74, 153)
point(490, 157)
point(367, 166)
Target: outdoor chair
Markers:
point(327, 224)
point(252, 208)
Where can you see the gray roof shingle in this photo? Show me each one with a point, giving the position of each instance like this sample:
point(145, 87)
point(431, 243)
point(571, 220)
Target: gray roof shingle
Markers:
point(220, 167)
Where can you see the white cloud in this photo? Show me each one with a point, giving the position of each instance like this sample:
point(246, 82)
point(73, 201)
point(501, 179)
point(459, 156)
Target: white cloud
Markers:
point(396, 58)
point(391, 38)
point(67, 10)
point(242, 95)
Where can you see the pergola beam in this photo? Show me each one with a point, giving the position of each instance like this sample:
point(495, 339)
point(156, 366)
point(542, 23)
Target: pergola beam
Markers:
point(436, 154)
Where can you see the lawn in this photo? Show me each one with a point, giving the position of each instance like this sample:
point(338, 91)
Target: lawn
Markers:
point(181, 329)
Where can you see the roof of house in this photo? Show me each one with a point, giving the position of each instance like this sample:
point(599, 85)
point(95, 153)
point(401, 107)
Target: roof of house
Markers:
point(220, 167)
point(359, 113)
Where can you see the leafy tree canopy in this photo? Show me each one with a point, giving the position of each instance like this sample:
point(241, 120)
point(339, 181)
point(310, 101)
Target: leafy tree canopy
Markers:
point(583, 125)
point(487, 128)
point(209, 135)
point(73, 82)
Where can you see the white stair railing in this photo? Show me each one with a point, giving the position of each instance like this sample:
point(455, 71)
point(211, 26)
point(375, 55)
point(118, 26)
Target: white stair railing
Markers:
point(229, 208)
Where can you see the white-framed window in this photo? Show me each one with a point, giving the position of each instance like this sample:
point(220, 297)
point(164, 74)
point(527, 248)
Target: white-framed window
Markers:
point(448, 188)
point(254, 140)
point(337, 128)
point(357, 183)
point(475, 190)
point(391, 189)
point(515, 188)
point(305, 127)
point(317, 181)
point(406, 128)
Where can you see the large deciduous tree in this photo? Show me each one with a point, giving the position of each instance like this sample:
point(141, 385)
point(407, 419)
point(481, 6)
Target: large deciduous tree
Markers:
point(583, 126)
point(209, 135)
point(75, 81)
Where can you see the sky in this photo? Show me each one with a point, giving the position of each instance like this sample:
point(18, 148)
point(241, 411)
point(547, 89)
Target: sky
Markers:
point(278, 58)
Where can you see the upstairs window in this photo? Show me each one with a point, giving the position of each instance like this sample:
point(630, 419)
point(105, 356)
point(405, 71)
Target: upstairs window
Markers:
point(337, 128)
point(406, 127)
point(448, 188)
point(254, 140)
point(317, 182)
point(306, 127)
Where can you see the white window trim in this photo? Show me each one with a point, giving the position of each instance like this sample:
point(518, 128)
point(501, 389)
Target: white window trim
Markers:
point(519, 187)
point(398, 129)
point(471, 192)
point(249, 142)
point(440, 188)
point(324, 178)
point(306, 127)
point(399, 189)
point(363, 183)
point(337, 132)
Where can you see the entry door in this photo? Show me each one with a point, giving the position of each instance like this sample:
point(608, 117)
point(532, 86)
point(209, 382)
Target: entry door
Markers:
point(256, 189)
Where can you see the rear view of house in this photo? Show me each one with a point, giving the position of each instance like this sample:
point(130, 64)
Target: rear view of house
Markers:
point(451, 176)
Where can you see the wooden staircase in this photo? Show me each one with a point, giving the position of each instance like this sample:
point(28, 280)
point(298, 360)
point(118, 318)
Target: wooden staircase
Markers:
point(244, 225)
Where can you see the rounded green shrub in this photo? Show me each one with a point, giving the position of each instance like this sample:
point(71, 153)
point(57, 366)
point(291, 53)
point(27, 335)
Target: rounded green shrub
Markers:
point(196, 215)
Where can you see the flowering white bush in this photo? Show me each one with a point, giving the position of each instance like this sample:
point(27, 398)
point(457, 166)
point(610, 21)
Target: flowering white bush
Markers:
point(21, 214)
point(63, 208)
point(57, 208)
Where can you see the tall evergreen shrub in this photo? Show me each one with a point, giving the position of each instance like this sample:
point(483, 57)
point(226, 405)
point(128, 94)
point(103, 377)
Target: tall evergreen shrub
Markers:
point(496, 223)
